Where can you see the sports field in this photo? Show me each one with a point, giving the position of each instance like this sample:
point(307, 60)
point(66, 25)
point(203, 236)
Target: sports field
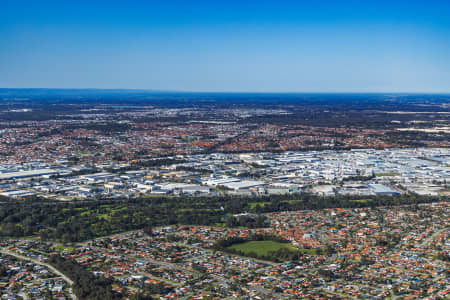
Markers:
point(261, 248)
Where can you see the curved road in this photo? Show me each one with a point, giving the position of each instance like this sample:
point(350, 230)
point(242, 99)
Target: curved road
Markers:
point(54, 270)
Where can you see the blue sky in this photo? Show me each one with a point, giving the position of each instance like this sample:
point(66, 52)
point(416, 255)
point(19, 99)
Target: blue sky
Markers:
point(238, 46)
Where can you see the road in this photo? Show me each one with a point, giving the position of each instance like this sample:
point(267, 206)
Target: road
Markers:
point(53, 269)
point(173, 266)
point(432, 237)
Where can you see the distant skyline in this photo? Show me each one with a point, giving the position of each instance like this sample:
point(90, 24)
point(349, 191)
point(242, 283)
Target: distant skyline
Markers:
point(227, 46)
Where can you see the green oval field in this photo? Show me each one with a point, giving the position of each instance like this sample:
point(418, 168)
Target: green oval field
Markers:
point(261, 248)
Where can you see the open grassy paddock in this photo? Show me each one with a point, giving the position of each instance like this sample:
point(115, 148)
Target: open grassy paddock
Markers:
point(261, 248)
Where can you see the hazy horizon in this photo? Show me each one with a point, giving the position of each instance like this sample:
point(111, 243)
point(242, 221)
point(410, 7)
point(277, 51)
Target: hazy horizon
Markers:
point(219, 92)
point(125, 92)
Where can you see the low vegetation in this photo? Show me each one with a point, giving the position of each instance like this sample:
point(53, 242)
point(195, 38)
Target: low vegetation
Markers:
point(265, 247)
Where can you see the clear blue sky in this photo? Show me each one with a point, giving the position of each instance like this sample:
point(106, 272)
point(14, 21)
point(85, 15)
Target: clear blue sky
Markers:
point(258, 46)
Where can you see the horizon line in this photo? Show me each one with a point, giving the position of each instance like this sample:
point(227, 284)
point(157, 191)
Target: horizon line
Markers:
point(228, 92)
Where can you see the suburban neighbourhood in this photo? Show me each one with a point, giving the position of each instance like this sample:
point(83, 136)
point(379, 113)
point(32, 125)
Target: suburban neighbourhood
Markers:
point(376, 253)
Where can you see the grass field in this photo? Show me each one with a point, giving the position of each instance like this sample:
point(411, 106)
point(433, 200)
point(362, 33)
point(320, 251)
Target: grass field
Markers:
point(360, 200)
point(64, 248)
point(261, 248)
point(254, 204)
point(386, 174)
